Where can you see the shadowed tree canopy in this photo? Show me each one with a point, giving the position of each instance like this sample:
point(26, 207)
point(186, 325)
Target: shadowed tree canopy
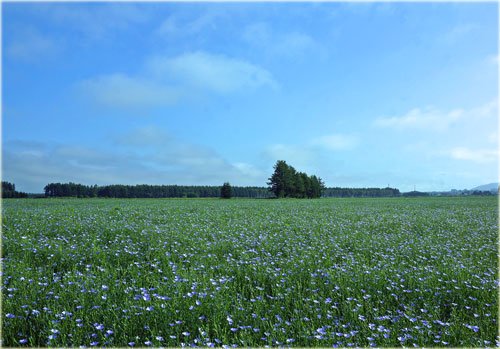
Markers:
point(286, 182)
point(226, 192)
point(9, 191)
point(149, 191)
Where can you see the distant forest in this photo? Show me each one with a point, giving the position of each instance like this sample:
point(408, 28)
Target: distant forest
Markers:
point(9, 191)
point(149, 191)
point(182, 191)
point(360, 192)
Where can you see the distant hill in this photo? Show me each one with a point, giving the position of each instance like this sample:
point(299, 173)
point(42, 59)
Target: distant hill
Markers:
point(487, 187)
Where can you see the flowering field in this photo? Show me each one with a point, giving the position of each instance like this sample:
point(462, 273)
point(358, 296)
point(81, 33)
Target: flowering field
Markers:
point(202, 272)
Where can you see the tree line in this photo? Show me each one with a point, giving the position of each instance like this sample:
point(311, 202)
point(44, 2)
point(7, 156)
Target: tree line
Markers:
point(338, 192)
point(9, 191)
point(286, 182)
point(149, 191)
point(226, 191)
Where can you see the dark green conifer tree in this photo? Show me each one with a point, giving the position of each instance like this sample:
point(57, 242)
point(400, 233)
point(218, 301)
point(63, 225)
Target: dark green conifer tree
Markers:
point(226, 191)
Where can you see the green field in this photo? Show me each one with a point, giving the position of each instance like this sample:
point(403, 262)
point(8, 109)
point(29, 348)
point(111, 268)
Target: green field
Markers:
point(210, 272)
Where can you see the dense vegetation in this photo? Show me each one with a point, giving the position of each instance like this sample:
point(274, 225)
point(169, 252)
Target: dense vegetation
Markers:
point(149, 191)
point(360, 192)
point(178, 191)
point(226, 192)
point(250, 273)
point(9, 191)
point(286, 182)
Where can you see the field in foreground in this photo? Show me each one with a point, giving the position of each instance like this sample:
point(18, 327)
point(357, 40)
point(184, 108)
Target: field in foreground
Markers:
point(325, 272)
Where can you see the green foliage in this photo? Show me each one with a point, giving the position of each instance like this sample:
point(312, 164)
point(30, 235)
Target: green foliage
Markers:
point(9, 191)
point(286, 182)
point(361, 192)
point(148, 191)
point(226, 192)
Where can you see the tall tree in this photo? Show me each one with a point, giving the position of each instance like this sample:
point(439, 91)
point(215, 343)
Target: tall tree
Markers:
point(226, 191)
point(277, 182)
point(287, 182)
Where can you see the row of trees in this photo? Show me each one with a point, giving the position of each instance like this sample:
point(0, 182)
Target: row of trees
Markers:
point(361, 192)
point(149, 191)
point(9, 191)
point(286, 182)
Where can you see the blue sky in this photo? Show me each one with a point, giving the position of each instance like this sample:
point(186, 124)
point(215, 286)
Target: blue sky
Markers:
point(363, 95)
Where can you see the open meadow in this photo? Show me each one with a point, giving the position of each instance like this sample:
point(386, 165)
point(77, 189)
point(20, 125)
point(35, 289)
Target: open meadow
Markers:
point(241, 272)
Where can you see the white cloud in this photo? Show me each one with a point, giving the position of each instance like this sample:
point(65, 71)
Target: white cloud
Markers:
point(29, 44)
point(493, 137)
point(475, 155)
point(448, 138)
point(167, 80)
point(173, 25)
point(164, 161)
point(307, 155)
point(216, 73)
point(475, 125)
point(486, 111)
point(96, 21)
point(296, 155)
point(147, 136)
point(119, 90)
point(457, 33)
point(290, 44)
point(257, 33)
point(493, 59)
point(168, 27)
point(249, 170)
point(336, 142)
point(296, 43)
point(430, 119)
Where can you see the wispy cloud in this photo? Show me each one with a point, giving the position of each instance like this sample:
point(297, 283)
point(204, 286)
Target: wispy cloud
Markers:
point(468, 135)
point(299, 156)
point(163, 160)
point(429, 119)
point(146, 136)
point(433, 119)
point(336, 142)
point(249, 170)
point(174, 25)
point(457, 33)
point(308, 154)
point(212, 72)
point(29, 44)
point(291, 44)
point(97, 21)
point(166, 80)
point(493, 59)
point(475, 155)
point(120, 90)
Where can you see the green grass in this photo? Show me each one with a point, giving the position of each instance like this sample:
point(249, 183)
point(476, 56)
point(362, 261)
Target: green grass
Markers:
point(342, 272)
